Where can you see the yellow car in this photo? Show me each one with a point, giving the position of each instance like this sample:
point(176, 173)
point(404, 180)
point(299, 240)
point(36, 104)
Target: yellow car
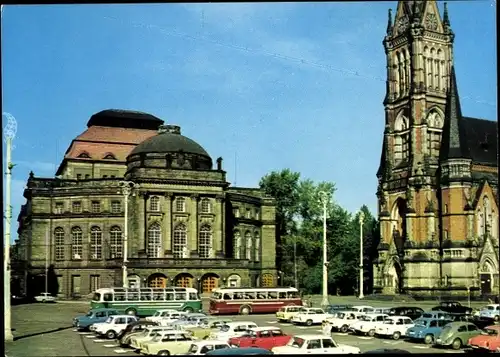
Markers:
point(168, 343)
point(286, 313)
point(203, 331)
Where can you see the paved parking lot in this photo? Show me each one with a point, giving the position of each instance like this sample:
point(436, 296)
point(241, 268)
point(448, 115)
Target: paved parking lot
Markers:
point(45, 330)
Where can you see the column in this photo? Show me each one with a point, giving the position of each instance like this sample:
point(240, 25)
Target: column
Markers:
point(218, 226)
point(167, 221)
point(193, 226)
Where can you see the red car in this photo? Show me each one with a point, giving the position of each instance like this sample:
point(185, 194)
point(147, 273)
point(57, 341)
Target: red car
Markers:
point(488, 340)
point(263, 337)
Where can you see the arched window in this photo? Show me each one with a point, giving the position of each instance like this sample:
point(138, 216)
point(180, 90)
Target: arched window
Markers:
point(205, 206)
point(184, 281)
point(180, 204)
point(257, 246)
point(401, 138)
point(248, 241)
point(267, 280)
point(487, 214)
point(205, 242)
point(95, 243)
point(434, 130)
point(237, 245)
point(59, 243)
point(179, 246)
point(76, 243)
point(154, 204)
point(115, 242)
point(154, 241)
point(157, 281)
point(234, 281)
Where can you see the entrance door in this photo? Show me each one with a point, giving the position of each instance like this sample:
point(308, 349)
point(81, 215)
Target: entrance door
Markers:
point(485, 284)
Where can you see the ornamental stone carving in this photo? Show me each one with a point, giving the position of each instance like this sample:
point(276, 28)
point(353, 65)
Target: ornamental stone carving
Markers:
point(431, 22)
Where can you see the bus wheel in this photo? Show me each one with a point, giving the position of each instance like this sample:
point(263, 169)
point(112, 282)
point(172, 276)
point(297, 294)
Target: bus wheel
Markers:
point(188, 309)
point(131, 311)
point(163, 353)
point(245, 310)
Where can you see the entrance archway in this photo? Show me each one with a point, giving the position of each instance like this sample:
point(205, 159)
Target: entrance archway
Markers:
point(486, 277)
point(157, 280)
point(394, 276)
point(209, 282)
point(184, 280)
point(398, 219)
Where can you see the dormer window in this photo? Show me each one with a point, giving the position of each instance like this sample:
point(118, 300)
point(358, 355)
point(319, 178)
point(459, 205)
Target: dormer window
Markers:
point(84, 155)
point(109, 156)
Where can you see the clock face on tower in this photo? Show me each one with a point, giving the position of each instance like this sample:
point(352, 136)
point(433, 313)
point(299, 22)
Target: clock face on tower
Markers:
point(403, 24)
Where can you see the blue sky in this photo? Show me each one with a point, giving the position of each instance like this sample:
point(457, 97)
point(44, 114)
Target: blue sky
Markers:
point(266, 86)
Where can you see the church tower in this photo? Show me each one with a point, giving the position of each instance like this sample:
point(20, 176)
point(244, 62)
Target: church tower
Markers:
point(419, 50)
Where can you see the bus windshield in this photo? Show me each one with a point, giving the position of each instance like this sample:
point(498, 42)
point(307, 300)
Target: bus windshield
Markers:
point(216, 296)
point(96, 297)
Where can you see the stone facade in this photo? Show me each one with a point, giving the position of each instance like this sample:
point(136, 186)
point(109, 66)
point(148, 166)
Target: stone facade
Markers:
point(438, 176)
point(186, 225)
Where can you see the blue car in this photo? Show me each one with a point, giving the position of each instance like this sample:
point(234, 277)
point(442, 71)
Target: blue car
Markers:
point(426, 330)
point(92, 317)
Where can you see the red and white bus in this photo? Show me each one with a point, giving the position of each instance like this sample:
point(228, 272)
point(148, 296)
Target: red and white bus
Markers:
point(252, 300)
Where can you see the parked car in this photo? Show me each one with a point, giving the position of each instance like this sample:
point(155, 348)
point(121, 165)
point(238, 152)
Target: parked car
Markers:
point(263, 337)
point(340, 321)
point(45, 297)
point(488, 340)
point(285, 313)
point(314, 344)
point(156, 317)
point(491, 311)
point(453, 307)
point(457, 334)
point(310, 316)
point(232, 329)
point(362, 308)
point(480, 322)
point(171, 343)
point(207, 327)
point(426, 330)
point(331, 309)
point(395, 327)
point(147, 334)
point(409, 311)
point(92, 317)
point(436, 315)
point(190, 319)
point(113, 325)
point(367, 324)
point(205, 346)
point(171, 317)
point(381, 310)
point(246, 351)
point(133, 329)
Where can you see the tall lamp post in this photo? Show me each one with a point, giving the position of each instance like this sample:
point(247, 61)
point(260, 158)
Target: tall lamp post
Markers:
point(127, 187)
point(361, 260)
point(9, 132)
point(324, 198)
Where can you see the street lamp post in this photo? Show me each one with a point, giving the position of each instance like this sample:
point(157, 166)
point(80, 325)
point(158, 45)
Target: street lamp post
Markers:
point(361, 265)
point(9, 132)
point(324, 198)
point(127, 187)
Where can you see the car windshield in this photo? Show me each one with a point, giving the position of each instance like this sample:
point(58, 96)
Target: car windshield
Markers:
point(490, 307)
point(225, 328)
point(156, 338)
point(157, 313)
point(419, 322)
point(490, 332)
point(366, 318)
point(109, 319)
point(282, 309)
point(89, 313)
point(446, 330)
point(193, 349)
point(296, 342)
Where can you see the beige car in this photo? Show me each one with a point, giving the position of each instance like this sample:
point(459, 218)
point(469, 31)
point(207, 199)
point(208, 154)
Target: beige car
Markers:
point(210, 325)
point(170, 343)
point(286, 313)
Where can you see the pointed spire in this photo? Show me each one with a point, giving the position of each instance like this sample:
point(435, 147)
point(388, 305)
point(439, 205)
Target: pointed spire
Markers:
point(389, 23)
point(453, 145)
point(446, 19)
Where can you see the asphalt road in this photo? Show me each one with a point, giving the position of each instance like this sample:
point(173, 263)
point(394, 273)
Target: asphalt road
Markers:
point(45, 330)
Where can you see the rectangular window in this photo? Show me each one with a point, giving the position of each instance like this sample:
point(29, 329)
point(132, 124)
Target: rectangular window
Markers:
point(95, 282)
point(116, 207)
point(59, 284)
point(96, 207)
point(59, 207)
point(78, 176)
point(87, 176)
point(236, 212)
point(75, 284)
point(249, 213)
point(77, 207)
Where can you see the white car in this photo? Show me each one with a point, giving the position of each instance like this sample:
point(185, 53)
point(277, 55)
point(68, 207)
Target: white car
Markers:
point(171, 317)
point(395, 326)
point(159, 314)
point(204, 346)
point(313, 344)
point(340, 321)
point(232, 329)
point(113, 326)
point(45, 297)
point(363, 308)
point(310, 316)
point(367, 324)
point(492, 311)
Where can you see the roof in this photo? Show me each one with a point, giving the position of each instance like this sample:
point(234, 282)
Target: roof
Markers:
point(125, 119)
point(169, 140)
point(265, 328)
point(481, 139)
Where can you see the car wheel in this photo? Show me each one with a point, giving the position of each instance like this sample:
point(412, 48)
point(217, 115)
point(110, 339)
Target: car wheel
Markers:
point(163, 353)
point(371, 333)
point(344, 329)
point(457, 343)
point(188, 310)
point(309, 322)
point(206, 337)
point(111, 334)
point(131, 311)
point(245, 310)
point(428, 339)
point(396, 335)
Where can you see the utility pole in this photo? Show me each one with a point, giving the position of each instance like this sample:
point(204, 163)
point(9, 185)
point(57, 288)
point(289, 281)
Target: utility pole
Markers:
point(127, 187)
point(324, 198)
point(9, 132)
point(361, 260)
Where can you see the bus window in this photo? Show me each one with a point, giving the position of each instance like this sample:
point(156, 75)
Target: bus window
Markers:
point(261, 295)
point(132, 296)
point(293, 295)
point(250, 296)
point(108, 297)
point(97, 297)
point(273, 295)
point(158, 295)
point(145, 296)
point(282, 295)
point(169, 295)
point(180, 296)
point(228, 296)
point(119, 296)
point(193, 296)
